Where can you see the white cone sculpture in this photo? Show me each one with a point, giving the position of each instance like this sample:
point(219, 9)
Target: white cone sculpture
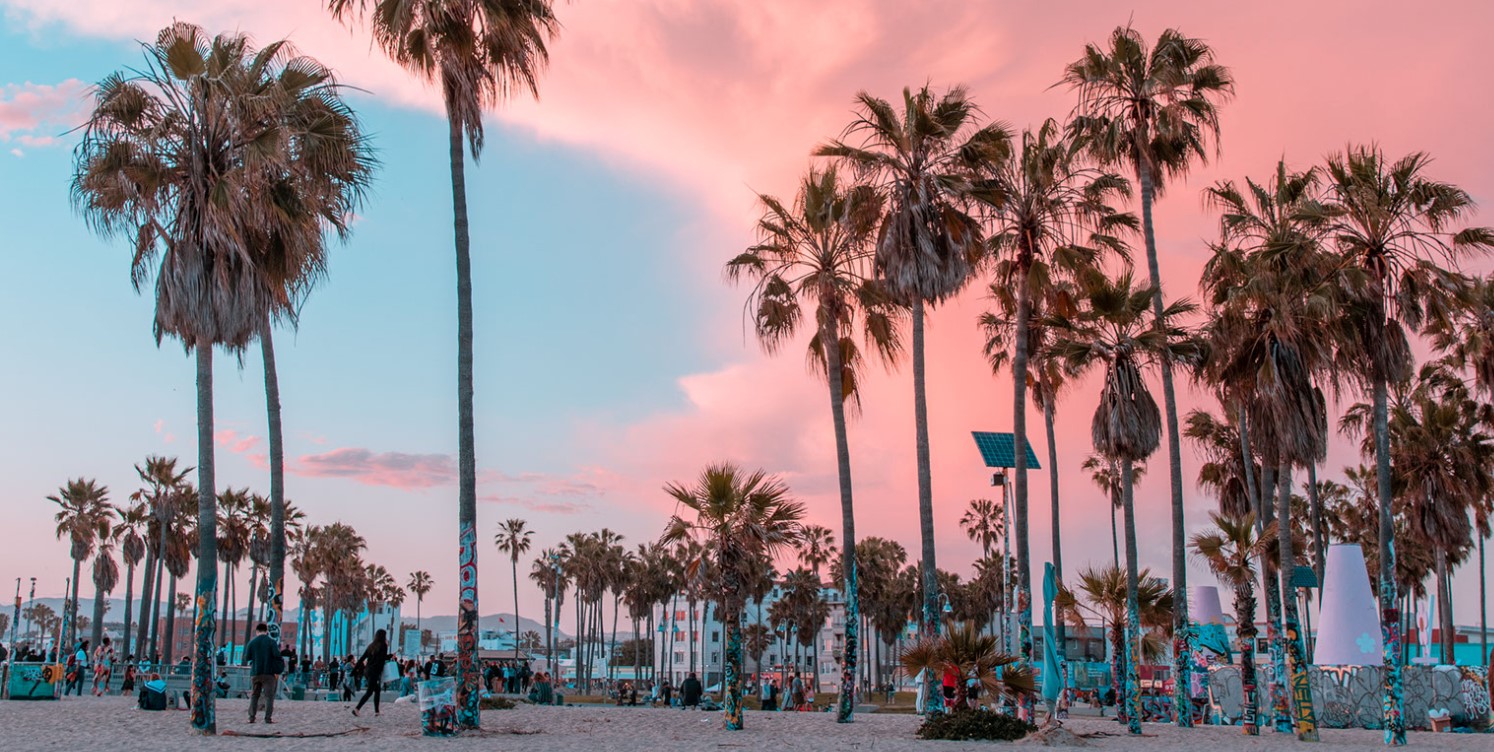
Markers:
point(1205, 608)
point(1349, 627)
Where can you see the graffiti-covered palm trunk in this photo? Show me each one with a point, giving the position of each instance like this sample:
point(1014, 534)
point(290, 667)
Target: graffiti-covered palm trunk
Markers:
point(731, 673)
point(1060, 633)
point(1276, 695)
point(1118, 668)
point(203, 708)
point(845, 702)
point(930, 625)
point(275, 582)
point(1182, 629)
point(1019, 433)
point(468, 689)
point(1390, 614)
point(1133, 609)
point(1301, 688)
point(124, 650)
point(1245, 619)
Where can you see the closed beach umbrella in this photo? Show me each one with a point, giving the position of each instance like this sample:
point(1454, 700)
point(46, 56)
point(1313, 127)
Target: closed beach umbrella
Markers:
point(1052, 675)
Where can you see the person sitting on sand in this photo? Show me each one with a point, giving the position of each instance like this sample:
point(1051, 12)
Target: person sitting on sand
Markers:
point(690, 691)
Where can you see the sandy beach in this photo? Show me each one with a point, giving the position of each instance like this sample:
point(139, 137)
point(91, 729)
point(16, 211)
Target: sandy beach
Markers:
point(113, 724)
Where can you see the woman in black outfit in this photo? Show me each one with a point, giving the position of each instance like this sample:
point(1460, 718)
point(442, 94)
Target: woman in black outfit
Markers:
point(373, 660)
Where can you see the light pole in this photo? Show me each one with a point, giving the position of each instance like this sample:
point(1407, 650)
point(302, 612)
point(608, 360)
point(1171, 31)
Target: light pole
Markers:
point(30, 606)
point(15, 622)
point(554, 588)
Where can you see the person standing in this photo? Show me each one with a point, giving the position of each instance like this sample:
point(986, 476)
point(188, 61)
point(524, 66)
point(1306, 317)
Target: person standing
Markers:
point(75, 672)
point(265, 665)
point(690, 691)
point(372, 661)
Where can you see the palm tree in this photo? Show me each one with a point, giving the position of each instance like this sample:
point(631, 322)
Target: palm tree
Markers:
point(924, 162)
point(105, 578)
point(513, 539)
point(419, 584)
point(1391, 225)
point(163, 488)
point(132, 520)
point(983, 522)
point(816, 547)
point(480, 52)
point(1269, 284)
point(1053, 219)
point(233, 544)
point(1231, 551)
point(1107, 597)
point(1105, 474)
point(818, 251)
point(1115, 327)
point(967, 653)
point(745, 517)
point(175, 157)
point(83, 518)
point(1155, 110)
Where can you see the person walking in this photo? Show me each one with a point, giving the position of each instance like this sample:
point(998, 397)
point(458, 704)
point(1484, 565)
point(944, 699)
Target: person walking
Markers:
point(103, 667)
point(265, 666)
point(79, 664)
point(372, 661)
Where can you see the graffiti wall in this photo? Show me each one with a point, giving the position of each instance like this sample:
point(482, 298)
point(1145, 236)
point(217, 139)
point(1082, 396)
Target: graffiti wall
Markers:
point(1350, 696)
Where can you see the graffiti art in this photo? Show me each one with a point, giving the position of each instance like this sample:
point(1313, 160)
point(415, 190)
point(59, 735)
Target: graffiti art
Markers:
point(203, 660)
point(468, 684)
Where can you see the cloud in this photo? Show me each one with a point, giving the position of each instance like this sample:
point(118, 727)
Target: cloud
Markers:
point(393, 469)
point(234, 442)
point(32, 115)
point(551, 507)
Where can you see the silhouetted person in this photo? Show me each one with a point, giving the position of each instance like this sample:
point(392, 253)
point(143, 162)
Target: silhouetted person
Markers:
point(690, 691)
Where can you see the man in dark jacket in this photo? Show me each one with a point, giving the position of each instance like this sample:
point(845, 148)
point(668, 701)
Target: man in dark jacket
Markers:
point(265, 664)
point(690, 691)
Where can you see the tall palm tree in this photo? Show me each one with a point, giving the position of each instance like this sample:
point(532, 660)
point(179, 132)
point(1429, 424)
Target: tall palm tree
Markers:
point(105, 578)
point(818, 251)
point(233, 543)
point(479, 52)
point(419, 584)
point(132, 521)
point(815, 547)
point(1115, 326)
point(745, 517)
point(83, 517)
point(983, 522)
point(1392, 225)
point(328, 167)
point(162, 489)
point(1231, 551)
point(1269, 284)
point(1105, 474)
point(1154, 109)
point(513, 538)
point(177, 156)
point(1052, 221)
point(924, 162)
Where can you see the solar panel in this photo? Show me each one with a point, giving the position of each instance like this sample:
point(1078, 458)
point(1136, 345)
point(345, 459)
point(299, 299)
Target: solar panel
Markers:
point(998, 450)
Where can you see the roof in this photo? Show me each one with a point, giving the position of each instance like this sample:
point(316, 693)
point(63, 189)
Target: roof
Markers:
point(998, 450)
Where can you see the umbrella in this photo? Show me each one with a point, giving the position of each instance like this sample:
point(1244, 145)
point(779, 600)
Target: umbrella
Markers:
point(1052, 674)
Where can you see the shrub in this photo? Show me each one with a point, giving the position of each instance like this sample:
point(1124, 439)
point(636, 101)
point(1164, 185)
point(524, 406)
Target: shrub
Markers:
point(497, 703)
point(966, 725)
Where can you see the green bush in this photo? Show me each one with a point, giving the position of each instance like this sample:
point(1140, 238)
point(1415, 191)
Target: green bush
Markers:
point(497, 703)
point(967, 725)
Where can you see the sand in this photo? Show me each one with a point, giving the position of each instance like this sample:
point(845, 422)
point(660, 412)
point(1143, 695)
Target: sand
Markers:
point(112, 724)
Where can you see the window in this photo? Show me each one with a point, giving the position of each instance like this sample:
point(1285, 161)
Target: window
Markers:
point(679, 656)
point(679, 616)
point(715, 657)
point(715, 636)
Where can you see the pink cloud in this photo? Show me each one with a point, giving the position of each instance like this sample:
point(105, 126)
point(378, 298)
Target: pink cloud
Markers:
point(393, 469)
point(234, 442)
point(32, 114)
point(549, 507)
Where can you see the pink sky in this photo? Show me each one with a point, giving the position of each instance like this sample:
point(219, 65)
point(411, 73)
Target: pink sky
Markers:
point(721, 99)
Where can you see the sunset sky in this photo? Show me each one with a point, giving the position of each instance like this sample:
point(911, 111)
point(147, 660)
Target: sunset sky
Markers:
point(611, 354)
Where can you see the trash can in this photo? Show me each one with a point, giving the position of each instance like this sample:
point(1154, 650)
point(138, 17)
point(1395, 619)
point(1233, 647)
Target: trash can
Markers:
point(438, 707)
point(298, 691)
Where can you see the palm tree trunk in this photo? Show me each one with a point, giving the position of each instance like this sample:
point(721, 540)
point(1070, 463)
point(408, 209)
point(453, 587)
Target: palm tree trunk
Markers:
point(1483, 610)
point(845, 701)
point(129, 598)
point(1118, 665)
point(1301, 694)
point(1280, 715)
point(1245, 631)
point(1444, 608)
point(1019, 434)
point(1319, 527)
point(147, 582)
point(930, 625)
point(1182, 629)
point(515, 559)
point(227, 587)
point(731, 664)
point(612, 644)
point(155, 604)
point(1060, 632)
point(71, 632)
point(276, 576)
point(1133, 609)
point(1394, 723)
point(249, 605)
point(468, 691)
point(97, 635)
point(1114, 534)
point(203, 705)
point(168, 641)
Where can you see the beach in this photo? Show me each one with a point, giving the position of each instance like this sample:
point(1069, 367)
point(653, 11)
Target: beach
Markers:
point(113, 724)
